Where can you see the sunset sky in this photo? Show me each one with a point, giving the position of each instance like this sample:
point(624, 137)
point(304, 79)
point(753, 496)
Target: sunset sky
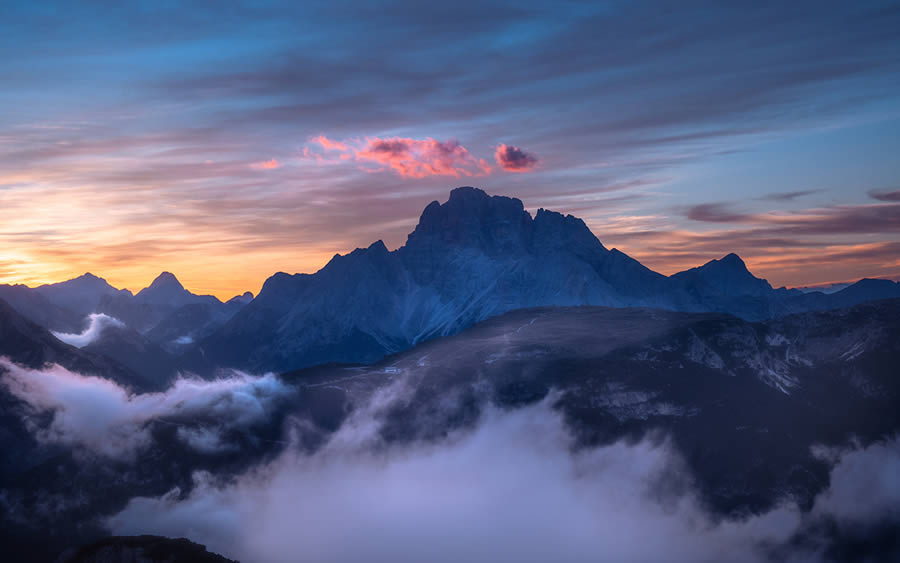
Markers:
point(226, 142)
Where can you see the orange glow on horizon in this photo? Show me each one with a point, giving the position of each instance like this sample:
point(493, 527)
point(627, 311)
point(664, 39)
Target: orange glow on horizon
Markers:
point(221, 277)
point(226, 275)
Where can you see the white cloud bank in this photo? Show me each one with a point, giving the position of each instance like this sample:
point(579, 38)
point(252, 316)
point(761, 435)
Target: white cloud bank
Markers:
point(103, 417)
point(97, 323)
point(511, 490)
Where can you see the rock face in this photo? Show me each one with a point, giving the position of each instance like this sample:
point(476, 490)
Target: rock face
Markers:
point(143, 549)
point(468, 259)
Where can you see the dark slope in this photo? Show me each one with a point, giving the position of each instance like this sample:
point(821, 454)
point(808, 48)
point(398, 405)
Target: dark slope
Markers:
point(28, 344)
point(38, 309)
point(149, 360)
point(743, 401)
point(193, 322)
point(150, 549)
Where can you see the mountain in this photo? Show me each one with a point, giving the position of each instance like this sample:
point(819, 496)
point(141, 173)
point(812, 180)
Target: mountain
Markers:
point(137, 352)
point(38, 309)
point(190, 323)
point(25, 343)
point(745, 402)
point(80, 295)
point(865, 290)
point(726, 277)
point(470, 258)
point(167, 291)
point(152, 304)
point(178, 316)
point(31, 345)
point(473, 257)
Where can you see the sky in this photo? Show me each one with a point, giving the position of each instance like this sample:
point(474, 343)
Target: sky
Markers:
point(227, 141)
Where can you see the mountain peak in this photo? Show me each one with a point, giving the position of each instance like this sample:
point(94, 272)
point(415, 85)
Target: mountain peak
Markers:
point(166, 279)
point(472, 218)
point(467, 193)
point(378, 246)
point(727, 275)
point(732, 260)
point(84, 279)
point(82, 294)
point(242, 299)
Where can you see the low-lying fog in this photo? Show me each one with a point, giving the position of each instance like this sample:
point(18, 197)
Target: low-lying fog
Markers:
point(513, 488)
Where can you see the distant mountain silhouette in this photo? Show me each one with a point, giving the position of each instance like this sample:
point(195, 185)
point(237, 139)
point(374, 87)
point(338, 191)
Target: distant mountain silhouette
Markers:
point(35, 307)
point(242, 299)
point(167, 291)
point(80, 295)
point(727, 276)
point(31, 345)
point(177, 316)
point(470, 258)
point(153, 304)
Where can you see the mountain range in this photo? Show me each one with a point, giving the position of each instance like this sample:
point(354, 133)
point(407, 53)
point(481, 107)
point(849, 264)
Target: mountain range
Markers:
point(485, 307)
point(470, 258)
point(473, 257)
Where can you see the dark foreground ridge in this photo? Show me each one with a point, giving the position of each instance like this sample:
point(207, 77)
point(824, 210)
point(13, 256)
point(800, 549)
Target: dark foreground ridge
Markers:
point(143, 549)
point(745, 403)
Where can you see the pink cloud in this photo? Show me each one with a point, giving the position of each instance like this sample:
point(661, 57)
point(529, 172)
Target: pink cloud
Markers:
point(328, 144)
point(514, 159)
point(266, 165)
point(410, 158)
